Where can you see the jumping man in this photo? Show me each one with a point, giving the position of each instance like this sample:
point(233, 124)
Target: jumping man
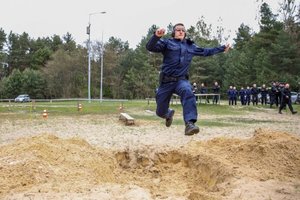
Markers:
point(177, 56)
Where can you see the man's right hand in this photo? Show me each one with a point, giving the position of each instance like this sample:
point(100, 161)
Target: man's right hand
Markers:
point(160, 32)
point(227, 47)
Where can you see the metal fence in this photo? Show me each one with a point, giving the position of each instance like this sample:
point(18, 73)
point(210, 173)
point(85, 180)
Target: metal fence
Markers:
point(68, 99)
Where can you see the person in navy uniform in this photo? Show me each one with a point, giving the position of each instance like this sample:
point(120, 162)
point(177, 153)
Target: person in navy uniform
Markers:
point(235, 95)
point(254, 93)
point(216, 90)
point(272, 95)
point(178, 52)
point(248, 96)
point(263, 92)
point(204, 90)
point(278, 94)
point(242, 94)
point(281, 87)
point(195, 90)
point(230, 93)
point(286, 99)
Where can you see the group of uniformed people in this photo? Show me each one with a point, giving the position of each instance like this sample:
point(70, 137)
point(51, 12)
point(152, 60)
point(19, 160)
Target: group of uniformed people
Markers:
point(279, 95)
point(247, 95)
point(204, 90)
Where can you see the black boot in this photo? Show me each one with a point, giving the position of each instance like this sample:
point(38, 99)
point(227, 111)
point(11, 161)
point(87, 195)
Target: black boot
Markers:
point(294, 112)
point(169, 120)
point(191, 129)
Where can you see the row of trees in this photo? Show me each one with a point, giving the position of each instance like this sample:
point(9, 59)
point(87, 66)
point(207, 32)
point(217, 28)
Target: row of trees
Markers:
point(55, 67)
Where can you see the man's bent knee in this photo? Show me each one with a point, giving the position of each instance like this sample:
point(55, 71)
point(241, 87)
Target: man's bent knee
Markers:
point(161, 114)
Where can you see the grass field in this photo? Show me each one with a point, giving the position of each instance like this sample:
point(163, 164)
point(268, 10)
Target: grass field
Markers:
point(134, 107)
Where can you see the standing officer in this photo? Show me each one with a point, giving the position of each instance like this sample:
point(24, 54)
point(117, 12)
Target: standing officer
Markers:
point(263, 92)
point(216, 91)
point(204, 90)
point(273, 95)
point(278, 94)
point(235, 95)
point(248, 96)
point(286, 99)
point(254, 93)
point(195, 90)
point(230, 93)
point(281, 87)
point(177, 56)
point(242, 94)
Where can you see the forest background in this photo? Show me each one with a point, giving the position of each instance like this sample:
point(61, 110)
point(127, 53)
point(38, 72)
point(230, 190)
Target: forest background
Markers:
point(56, 67)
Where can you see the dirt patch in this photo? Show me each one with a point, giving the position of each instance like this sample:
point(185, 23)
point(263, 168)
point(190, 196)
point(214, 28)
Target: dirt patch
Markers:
point(49, 167)
point(267, 155)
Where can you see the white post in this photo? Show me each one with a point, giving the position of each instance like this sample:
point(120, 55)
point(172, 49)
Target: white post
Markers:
point(89, 61)
point(89, 54)
point(101, 70)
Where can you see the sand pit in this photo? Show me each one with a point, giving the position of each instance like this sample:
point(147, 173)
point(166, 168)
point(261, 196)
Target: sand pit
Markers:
point(264, 166)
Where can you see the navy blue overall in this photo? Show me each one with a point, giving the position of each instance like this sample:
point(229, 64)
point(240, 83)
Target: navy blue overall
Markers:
point(177, 56)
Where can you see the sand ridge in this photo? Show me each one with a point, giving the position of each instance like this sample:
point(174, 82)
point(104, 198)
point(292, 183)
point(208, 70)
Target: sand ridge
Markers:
point(50, 167)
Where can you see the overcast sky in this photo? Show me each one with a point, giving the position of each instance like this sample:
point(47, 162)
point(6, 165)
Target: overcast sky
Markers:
point(128, 20)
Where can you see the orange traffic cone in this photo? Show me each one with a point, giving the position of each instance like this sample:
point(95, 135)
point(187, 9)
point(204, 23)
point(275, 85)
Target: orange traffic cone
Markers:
point(121, 107)
point(45, 114)
point(79, 107)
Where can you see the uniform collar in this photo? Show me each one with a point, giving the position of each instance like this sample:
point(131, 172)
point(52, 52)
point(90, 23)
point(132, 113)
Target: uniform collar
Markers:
point(186, 40)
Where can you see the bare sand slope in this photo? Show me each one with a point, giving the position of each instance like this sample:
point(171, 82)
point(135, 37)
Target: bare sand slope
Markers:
point(45, 166)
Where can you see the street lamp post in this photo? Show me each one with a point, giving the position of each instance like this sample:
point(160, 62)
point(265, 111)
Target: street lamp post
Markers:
point(89, 53)
point(101, 70)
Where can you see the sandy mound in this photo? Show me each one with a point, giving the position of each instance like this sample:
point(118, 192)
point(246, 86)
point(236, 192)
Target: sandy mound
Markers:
point(47, 159)
point(49, 167)
point(267, 155)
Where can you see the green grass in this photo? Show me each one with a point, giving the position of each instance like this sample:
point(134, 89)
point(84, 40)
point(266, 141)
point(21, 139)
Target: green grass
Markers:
point(222, 109)
point(69, 108)
point(136, 109)
point(64, 108)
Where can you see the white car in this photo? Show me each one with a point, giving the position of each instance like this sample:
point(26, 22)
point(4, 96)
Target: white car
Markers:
point(294, 96)
point(22, 98)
